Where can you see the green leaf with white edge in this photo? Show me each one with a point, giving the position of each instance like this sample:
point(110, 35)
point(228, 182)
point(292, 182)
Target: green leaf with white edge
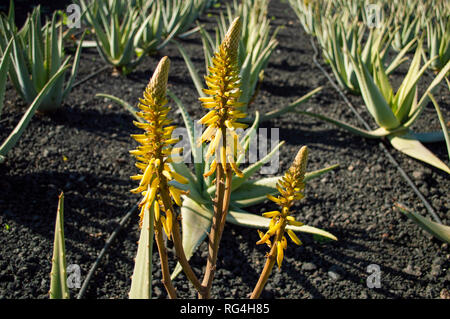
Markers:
point(74, 66)
point(192, 70)
point(414, 113)
point(374, 100)
point(429, 137)
point(126, 105)
point(254, 192)
point(407, 144)
point(442, 232)
point(242, 218)
point(196, 151)
point(290, 108)
point(141, 281)
point(195, 223)
point(12, 139)
point(377, 133)
point(58, 276)
point(4, 66)
point(248, 137)
point(442, 122)
point(249, 171)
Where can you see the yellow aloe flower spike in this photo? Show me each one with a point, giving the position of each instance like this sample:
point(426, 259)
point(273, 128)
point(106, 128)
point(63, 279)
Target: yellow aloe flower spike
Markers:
point(290, 187)
point(156, 146)
point(224, 91)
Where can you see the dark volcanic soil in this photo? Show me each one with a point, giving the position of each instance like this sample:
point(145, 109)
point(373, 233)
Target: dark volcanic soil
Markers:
point(83, 151)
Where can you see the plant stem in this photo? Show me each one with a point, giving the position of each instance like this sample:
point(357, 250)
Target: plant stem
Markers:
point(164, 262)
point(182, 258)
point(216, 232)
point(177, 241)
point(267, 270)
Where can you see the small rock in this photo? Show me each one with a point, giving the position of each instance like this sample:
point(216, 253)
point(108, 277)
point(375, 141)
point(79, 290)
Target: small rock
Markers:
point(335, 273)
point(418, 175)
point(445, 294)
point(413, 271)
point(436, 271)
point(309, 267)
point(334, 276)
point(350, 168)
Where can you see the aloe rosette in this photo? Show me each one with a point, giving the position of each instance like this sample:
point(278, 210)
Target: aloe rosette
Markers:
point(396, 113)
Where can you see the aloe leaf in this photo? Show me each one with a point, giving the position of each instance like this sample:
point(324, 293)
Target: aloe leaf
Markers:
point(4, 66)
point(442, 122)
point(407, 144)
point(442, 232)
point(249, 171)
point(192, 70)
point(374, 100)
point(12, 139)
point(242, 218)
point(429, 137)
point(254, 192)
point(127, 106)
point(314, 174)
point(196, 221)
point(141, 281)
point(74, 71)
point(378, 133)
point(58, 276)
point(414, 113)
point(196, 150)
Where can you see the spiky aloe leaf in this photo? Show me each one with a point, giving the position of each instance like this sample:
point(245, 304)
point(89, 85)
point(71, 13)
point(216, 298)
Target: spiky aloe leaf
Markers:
point(4, 66)
point(378, 133)
point(126, 105)
point(196, 222)
point(254, 192)
point(141, 282)
point(439, 231)
point(406, 143)
point(58, 276)
point(442, 121)
point(26, 118)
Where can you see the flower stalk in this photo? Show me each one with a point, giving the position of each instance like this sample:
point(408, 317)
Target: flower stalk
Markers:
point(290, 187)
point(223, 94)
point(153, 159)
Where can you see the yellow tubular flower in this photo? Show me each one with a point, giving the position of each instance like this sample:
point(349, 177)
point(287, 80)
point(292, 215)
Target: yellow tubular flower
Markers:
point(290, 187)
point(224, 91)
point(155, 149)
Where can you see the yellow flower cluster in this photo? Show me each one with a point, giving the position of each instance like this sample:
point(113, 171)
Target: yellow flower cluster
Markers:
point(155, 152)
point(290, 187)
point(224, 91)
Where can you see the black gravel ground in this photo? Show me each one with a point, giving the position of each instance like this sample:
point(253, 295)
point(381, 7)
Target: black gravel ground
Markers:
point(83, 150)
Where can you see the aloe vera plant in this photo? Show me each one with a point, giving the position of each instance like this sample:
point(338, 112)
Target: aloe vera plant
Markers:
point(124, 33)
point(58, 276)
point(37, 55)
point(395, 113)
point(179, 15)
point(438, 41)
point(15, 135)
point(337, 38)
point(256, 46)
